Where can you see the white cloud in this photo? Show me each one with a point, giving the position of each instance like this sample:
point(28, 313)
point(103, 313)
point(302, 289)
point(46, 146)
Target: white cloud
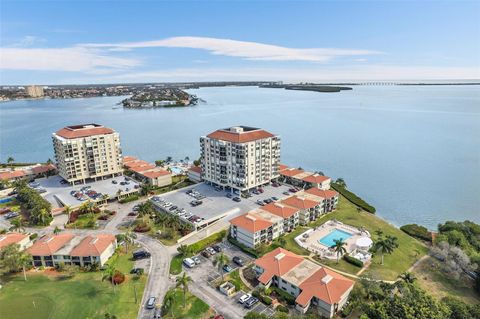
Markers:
point(241, 49)
point(61, 59)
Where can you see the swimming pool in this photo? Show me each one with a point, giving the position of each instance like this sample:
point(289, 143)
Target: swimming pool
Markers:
point(6, 200)
point(336, 234)
point(176, 170)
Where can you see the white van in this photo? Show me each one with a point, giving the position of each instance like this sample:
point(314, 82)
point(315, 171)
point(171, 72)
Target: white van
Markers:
point(189, 262)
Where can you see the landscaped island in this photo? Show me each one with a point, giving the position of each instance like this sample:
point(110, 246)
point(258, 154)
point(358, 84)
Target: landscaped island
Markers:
point(159, 97)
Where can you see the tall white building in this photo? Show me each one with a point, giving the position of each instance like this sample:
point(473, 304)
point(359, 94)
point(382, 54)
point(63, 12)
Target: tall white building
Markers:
point(240, 158)
point(35, 91)
point(87, 151)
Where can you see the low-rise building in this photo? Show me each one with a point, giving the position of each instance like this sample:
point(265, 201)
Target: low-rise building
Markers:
point(147, 173)
point(22, 240)
point(30, 172)
point(94, 249)
point(299, 177)
point(254, 228)
point(289, 215)
point(311, 284)
point(328, 197)
point(309, 209)
point(195, 174)
point(45, 249)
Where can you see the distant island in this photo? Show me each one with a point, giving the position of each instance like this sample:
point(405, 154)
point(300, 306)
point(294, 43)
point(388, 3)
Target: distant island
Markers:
point(159, 97)
point(307, 87)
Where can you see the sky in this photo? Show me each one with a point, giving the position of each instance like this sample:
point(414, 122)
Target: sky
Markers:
point(82, 42)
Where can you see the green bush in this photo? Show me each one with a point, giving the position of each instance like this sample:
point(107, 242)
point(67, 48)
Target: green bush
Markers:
point(417, 231)
point(284, 296)
point(204, 243)
point(266, 300)
point(352, 260)
point(33, 236)
point(129, 199)
point(244, 248)
point(353, 198)
point(282, 308)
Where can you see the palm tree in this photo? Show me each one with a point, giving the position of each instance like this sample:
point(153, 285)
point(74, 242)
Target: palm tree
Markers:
point(129, 237)
point(168, 302)
point(10, 160)
point(341, 182)
point(49, 161)
point(67, 210)
point(184, 250)
point(57, 230)
point(168, 159)
point(17, 225)
point(408, 277)
point(109, 273)
point(219, 261)
point(339, 248)
point(183, 281)
point(43, 216)
point(187, 159)
point(24, 259)
point(385, 245)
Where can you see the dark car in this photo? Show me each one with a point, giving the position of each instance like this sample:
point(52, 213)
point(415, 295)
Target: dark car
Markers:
point(217, 248)
point(138, 271)
point(260, 190)
point(292, 190)
point(206, 254)
point(268, 201)
point(251, 302)
point(227, 268)
point(141, 254)
point(275, 198)
point(286, 193)
point(239, 261)
point(229, 195)
point(11, 215)
point(236, 199)
point(114, 182)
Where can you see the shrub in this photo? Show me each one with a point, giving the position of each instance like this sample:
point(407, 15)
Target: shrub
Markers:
point(141, 228)
point(284, 296)
point(266, 300)
point(129, 199)
point(244, 248)
point(417, 231)
point(103, 217)
point(33, 236)
point(352, 260)
point(282, 308)
point(202, 244)
point(353, 198)
point(118, 278)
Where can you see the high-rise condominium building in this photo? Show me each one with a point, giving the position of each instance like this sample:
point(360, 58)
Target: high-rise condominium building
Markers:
point(35, 91)
point(87, 151)
point(240, 157)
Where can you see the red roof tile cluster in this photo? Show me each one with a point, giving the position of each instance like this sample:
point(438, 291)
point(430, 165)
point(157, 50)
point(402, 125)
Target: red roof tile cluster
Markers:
point(196, 169)
point(316, 178)
point(322, 193)
point(43, 168)
point(127, 159)
point(282, 167)
point(280, 210)
point(49, 244)
point(156, 173)
point(277, 263)
point(135, 163)
point(240, 137)
point(290, 172)
point(11, 238)
point(83, 130)
point(142, 168)
point(12, 174)
point(93, 245)
point(300, 202)
point(251, 223)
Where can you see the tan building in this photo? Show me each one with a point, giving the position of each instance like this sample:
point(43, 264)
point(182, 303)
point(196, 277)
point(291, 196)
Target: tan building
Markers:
point(35, 91)
point(147, 173)
point(86, 152)
point(312, 285)
point(240, 158)
point(304, 179)
point(195, 174)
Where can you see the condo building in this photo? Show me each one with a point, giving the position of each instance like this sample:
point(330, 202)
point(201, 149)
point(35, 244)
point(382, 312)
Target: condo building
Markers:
point(240, 157)
point(35, 91)
point(87, 152)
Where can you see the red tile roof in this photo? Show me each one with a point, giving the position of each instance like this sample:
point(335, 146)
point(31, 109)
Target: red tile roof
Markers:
point(83, 130)
point(280, 210)
point(142, 168)
point(12, 174)
point(11, 238)
point(326, 285)
point(43, 168)
point(250, 222)
point(315, 178)
point(127, 159)
point(156, 173)
point(277, 263)
point(241, 137)
point(290, 172)
point(136, 163)
point(49, 244)
point(300, 202)
point(196, 169)
point(93, 245)
point(321, 193)
point(281, 167)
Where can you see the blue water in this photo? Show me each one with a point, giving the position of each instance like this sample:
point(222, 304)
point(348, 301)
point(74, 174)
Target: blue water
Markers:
point(411, 151)
point(336, 234)
point(176, 170)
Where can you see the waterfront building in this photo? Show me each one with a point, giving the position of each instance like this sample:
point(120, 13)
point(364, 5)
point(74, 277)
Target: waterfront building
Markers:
point(28, 172)
point(240, 157)
point(304, 179)
point(255, 228)
point(87, 152)
point(312, 285)
point(147, 173)
point(34, 91)
point(22, 240)
point(195, 174)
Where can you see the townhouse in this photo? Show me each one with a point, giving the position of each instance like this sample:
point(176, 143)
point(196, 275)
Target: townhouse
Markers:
point(299, 177)
point(309, 209)
point(328, 197)
point(147, 173)
point(65, 248)
point(289, 215)
point(22, 240)
point(28, 173)
point(309, 283)
point(255, 228)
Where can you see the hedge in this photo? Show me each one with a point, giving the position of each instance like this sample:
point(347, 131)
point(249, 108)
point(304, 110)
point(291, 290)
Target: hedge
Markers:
point(282, 308)
point(353, 198)
point(284, 296)
point(243, 248)
point(204, 243)
point(352, 260)
point(129, 198)
point(417, 231)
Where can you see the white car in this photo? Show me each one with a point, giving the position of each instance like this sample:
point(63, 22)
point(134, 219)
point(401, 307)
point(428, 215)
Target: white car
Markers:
point(211, 250)
point(244, 298)
point(196, 260)
point(189, 262)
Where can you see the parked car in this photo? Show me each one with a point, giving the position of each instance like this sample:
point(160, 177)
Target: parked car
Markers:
point(196, 260)
point(244, 298)
point(260, 202)
point(239, 261)
point(227, 268)
point(237, 199)
point(268, 201)
point(114, 182)
point(292, 190)
point(260, 190)
point(251, 302)
point(151, 303)
point(286, 193)
point(189, 262)
point(217, 248)
point(11, 215)
point(275, 184)
point(141, 254)
point(275, 198)
point(137, 271)
point(229, 195)
point(206, 254)
point(211, 250)
point(157, 314)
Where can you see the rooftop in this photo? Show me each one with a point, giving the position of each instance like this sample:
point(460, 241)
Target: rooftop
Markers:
point(50, 244)
point(316, 178)
point(290, 172)
point(250, 222)
point(156, 173)
point(93, 245)
point(277, 263)
point(83, 130)
point(11, 238)
point(321, 193)
point(300, 202)
point(280, 210)
point(240, 134)
point(11, 174)
point(302, 271)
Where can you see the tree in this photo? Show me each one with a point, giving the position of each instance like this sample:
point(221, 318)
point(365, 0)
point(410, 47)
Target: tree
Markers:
point(10, 160)
point(129, 237)
point(67, 210)
point(185, 250)
point(160, 163)
point(183, 281)
point(110, 316)
point(146, 189)
point(385, 245)
point(168, 302)
point(44, 217)
point(187, 159)
point(341, 182)
point(49, 161)
point(12, 259)
point(109, 273)
point(339, 248)
point(57, 230)
point(408, 277)
point(168, 159)
point(17, 225)
point(219, 261)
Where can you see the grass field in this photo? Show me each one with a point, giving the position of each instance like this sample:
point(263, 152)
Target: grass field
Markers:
point(439, 284)
point(176, 265)
point(342, 265)
point(195, 307)
point(83, 296)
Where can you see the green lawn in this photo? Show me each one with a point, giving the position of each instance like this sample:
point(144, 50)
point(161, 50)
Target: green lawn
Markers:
point(195, 307)
point(85, 221)
point(234, 278)
point(342, 265)
point(83, 296)
point(176, 265)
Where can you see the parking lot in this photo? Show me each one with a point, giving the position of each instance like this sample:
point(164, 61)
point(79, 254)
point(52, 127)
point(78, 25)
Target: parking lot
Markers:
point(56, 192)
point(215, 203)
point(206, 273)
